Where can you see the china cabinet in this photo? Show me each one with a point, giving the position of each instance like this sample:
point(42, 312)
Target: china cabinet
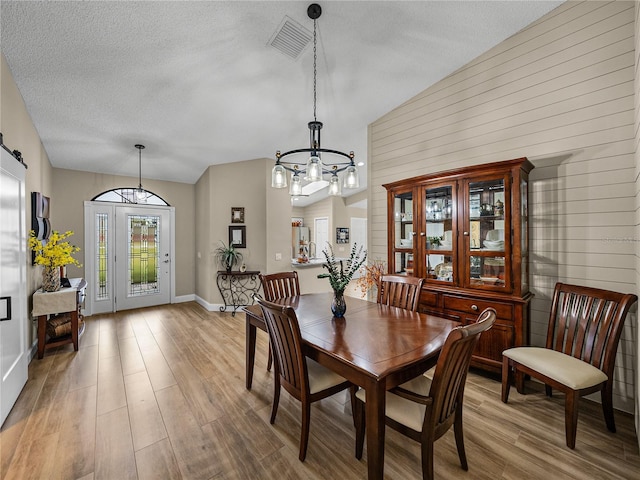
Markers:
point(466, 232)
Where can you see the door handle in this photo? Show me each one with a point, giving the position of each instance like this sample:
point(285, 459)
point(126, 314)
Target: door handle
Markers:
point(7, 310)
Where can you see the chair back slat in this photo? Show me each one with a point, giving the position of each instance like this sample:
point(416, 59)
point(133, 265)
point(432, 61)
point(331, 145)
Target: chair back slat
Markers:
point(280, 285)
point(447, 386)
point(586, 323)
point(286, 343)
point(400, 291)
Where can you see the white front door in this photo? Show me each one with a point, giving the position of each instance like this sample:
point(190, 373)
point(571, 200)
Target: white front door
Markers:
point(13, 286)
point(143, 257)
point(321, 225)
point(129, 251)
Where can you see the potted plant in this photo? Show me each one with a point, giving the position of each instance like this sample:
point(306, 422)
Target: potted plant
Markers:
point(227, 256)
point(340, 275)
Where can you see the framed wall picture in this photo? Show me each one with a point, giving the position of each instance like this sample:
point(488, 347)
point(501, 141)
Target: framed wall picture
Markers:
point(238, 236)
point(237, 214)
point(342, 235)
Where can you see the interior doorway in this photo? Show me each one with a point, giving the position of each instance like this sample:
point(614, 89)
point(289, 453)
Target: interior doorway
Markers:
point(128, 256)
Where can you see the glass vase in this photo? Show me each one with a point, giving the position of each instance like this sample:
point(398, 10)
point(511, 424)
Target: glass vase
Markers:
point(51, 279)
point(338, 304)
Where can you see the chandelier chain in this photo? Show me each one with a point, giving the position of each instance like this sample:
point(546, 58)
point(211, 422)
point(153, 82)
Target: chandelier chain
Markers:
point(314, 169)
point(314, 70)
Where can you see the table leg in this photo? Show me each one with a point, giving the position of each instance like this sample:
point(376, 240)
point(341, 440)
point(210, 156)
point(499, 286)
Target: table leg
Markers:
point(251, 352)
point(375, 421)
point(42, 327)
point(74, 329)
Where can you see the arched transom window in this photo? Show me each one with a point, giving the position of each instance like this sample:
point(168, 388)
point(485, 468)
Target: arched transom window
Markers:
point(130, 195)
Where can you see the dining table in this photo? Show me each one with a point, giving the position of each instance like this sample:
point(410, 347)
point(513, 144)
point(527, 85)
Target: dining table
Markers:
point(376, 347)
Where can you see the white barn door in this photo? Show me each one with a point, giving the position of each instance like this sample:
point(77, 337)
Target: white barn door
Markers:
point(13, 283)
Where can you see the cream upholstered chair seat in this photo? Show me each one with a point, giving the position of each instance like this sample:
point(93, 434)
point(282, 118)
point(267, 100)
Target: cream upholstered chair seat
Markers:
point(321, 378)
point(406, 412)
point(585, 325)
point(304, 379)
point(424, 408)
point(565, 369)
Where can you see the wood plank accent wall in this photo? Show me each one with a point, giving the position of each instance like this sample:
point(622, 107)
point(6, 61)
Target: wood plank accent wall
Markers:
point(560, 92)
point(637, 203)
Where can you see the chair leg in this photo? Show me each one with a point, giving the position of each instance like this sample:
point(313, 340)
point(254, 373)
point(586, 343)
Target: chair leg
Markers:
point(427, 458)
point(607, 405)
point(269, 359)
point(276, 397)
point(352, 396)
point(304, 436)
point(571, 417)
point(548, 391)
point(506, 379)
point(359, 422)
point(457, 429)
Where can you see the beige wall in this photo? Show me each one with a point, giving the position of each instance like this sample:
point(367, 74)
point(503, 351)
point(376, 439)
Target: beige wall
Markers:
point(20, 134)
point(71, 188)
point(559, 92)
point(222, 187)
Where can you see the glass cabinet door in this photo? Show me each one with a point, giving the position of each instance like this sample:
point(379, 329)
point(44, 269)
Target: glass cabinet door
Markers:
point(524, 228)
point(487, 227)
point(403, 234)
point(439, 234)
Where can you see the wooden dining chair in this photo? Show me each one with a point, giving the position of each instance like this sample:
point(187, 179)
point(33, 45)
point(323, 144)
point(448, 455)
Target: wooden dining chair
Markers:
point(424, 409)
point(584, 330)
point(279, 285)
point(400, 291)
point(305, 379)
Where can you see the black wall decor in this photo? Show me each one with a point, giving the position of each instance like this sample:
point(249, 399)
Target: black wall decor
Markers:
point(40, 222)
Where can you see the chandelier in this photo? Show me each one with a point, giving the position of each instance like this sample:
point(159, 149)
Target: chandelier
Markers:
point(141, 195)
point(315, 168)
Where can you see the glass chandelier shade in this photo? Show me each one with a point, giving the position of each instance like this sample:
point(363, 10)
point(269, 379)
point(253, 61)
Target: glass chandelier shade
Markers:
point(334, 186)
point(315, 168)
point(296, 185)
point(351, 177)
point(278, 176)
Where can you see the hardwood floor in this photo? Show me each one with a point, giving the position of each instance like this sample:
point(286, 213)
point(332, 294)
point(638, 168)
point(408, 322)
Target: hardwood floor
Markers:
point(158, 393)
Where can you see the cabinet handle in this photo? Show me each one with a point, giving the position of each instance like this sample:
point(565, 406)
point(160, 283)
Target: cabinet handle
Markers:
point(422, 234)
point(474, 308)
point(413, 234)
point(466, 234)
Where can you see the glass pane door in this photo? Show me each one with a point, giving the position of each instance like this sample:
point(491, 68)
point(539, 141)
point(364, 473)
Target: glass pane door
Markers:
point(440, 239)
point(486, 229)
point(403, 234)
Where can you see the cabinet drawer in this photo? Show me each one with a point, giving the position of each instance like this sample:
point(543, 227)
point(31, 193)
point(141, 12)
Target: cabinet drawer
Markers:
point(428, 299)
point(474, 306)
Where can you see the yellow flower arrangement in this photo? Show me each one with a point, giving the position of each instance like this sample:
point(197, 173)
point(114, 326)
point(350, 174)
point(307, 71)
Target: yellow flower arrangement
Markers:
point(55, 252)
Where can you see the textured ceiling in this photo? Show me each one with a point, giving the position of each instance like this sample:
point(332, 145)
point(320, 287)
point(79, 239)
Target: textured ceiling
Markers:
point(198, 84)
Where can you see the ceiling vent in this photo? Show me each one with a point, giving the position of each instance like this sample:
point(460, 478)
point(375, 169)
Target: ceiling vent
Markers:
point(290, 38)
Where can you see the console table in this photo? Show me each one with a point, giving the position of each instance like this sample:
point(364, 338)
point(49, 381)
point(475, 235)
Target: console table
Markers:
point(65, 301)
point(237, 288)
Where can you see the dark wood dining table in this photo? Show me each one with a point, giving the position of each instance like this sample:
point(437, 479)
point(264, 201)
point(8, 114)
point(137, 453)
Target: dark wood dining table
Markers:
point(376, 347)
